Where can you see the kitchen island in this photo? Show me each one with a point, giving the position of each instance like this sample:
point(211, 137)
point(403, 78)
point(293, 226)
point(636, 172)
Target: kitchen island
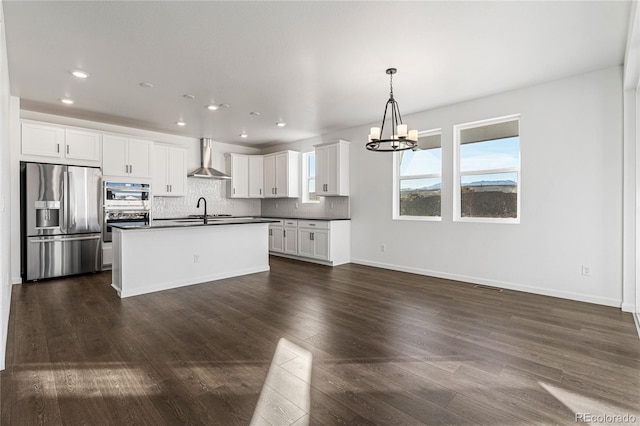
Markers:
point(175, 253)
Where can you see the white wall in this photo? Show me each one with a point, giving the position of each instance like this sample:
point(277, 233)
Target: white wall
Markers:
point(5, 207)
point(571, 149)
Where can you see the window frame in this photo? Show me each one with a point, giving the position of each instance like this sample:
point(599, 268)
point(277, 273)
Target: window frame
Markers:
point(397, 179)
point(306, 178)
point(457, 174)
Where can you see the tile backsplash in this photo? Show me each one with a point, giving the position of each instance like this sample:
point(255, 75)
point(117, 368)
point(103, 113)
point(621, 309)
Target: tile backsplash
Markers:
point(214, 191)
point(327, 208)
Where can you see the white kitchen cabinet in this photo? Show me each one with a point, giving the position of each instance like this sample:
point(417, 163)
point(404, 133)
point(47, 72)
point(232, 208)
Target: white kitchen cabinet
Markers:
point(290, 237)
point(256, 176)
point(238, 169)
point(58, 142)
point(325, 241)
point(169, 171)
point(313, 239)
point(332, 168)
point(126, 157)
point(281, 175)
point(276, 237)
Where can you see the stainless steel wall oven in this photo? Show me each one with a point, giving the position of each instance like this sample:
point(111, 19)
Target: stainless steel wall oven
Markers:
point(125, 202)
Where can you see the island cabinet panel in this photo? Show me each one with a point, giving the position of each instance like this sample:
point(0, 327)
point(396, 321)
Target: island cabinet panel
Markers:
point(146, 260)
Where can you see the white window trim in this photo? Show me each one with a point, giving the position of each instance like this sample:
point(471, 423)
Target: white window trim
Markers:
point(395, 214)
point(457, 213)
point(305, 178)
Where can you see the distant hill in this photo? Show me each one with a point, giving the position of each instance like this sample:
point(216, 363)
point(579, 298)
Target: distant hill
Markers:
point(491, 183)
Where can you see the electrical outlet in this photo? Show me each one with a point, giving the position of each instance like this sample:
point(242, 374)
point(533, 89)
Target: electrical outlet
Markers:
point(383, 248)
point(196, 258)
point(586, 271)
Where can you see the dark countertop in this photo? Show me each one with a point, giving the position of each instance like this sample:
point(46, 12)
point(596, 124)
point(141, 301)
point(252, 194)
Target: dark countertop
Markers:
point(306, 218)
point(184, 222)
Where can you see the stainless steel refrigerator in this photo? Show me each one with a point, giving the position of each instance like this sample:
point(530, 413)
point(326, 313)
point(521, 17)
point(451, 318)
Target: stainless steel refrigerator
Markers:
point(61, 220)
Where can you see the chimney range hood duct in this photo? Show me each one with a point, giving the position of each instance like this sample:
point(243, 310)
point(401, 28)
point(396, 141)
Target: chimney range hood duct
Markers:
point(206, 169)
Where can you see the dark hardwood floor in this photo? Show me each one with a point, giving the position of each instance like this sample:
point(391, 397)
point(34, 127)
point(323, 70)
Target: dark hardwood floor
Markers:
point(349, 345)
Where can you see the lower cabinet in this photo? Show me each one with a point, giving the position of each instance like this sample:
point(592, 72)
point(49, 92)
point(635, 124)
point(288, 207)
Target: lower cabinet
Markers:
point(314, 243)
point(321, 241)
point(290, 236)
point(276, 237)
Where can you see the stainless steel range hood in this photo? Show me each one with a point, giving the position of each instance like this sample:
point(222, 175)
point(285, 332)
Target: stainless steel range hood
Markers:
point(206, 169)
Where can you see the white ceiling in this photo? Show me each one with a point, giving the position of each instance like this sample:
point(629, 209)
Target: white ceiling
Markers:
point(319, 66)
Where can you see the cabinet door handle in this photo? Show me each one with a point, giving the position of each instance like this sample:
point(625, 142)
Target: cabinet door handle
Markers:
point(312, 236)
point(170, 188)
point(130, 168)
point(234, 191)
point(260, 191)
point(270, 231)
point(276, 190)
point(67, 149)
point(58, 148)
point(284, 234)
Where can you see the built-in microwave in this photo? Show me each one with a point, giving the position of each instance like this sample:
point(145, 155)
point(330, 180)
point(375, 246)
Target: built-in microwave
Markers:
point(127, 195)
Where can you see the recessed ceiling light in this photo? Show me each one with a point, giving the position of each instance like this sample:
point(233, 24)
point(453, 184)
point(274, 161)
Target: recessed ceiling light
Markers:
point(146, 85)
point(243, 135)
point(188, 97)
point(181, 123)
point(281, 124)
point(254, 113)
point(67, 101)
point(212, 107)
point(80, 73)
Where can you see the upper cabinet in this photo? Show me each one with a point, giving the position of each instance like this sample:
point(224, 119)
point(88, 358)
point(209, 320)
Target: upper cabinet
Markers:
point(247, 176)
point(238, 168)
point(44, 140)
point(332, 168)
point(256, 176)
point(126, 157)
point(169, 171)
point(281, 175)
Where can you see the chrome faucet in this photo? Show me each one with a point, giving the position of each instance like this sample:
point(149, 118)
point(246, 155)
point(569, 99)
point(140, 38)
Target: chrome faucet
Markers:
point(206, 219)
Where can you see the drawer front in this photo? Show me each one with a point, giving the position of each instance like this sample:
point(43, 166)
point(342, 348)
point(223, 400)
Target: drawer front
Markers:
point(314, 224)
point(289, 222)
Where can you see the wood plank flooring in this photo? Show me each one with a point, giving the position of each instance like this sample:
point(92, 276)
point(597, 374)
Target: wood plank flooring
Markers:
point(382, 347)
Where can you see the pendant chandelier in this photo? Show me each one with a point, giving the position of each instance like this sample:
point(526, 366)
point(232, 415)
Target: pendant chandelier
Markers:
point(402, 139)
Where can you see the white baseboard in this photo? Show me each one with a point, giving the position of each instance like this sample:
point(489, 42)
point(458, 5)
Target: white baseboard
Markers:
point(628, 307)
point(16, 280)
point(493, 283)
point(636, 319)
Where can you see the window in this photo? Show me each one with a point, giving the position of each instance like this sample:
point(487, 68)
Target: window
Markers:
point(309, 178)
point(487, 174)
point(418, 177)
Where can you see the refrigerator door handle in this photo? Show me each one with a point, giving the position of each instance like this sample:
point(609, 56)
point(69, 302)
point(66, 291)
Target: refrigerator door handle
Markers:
point(58, 239)
point(64, 203)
